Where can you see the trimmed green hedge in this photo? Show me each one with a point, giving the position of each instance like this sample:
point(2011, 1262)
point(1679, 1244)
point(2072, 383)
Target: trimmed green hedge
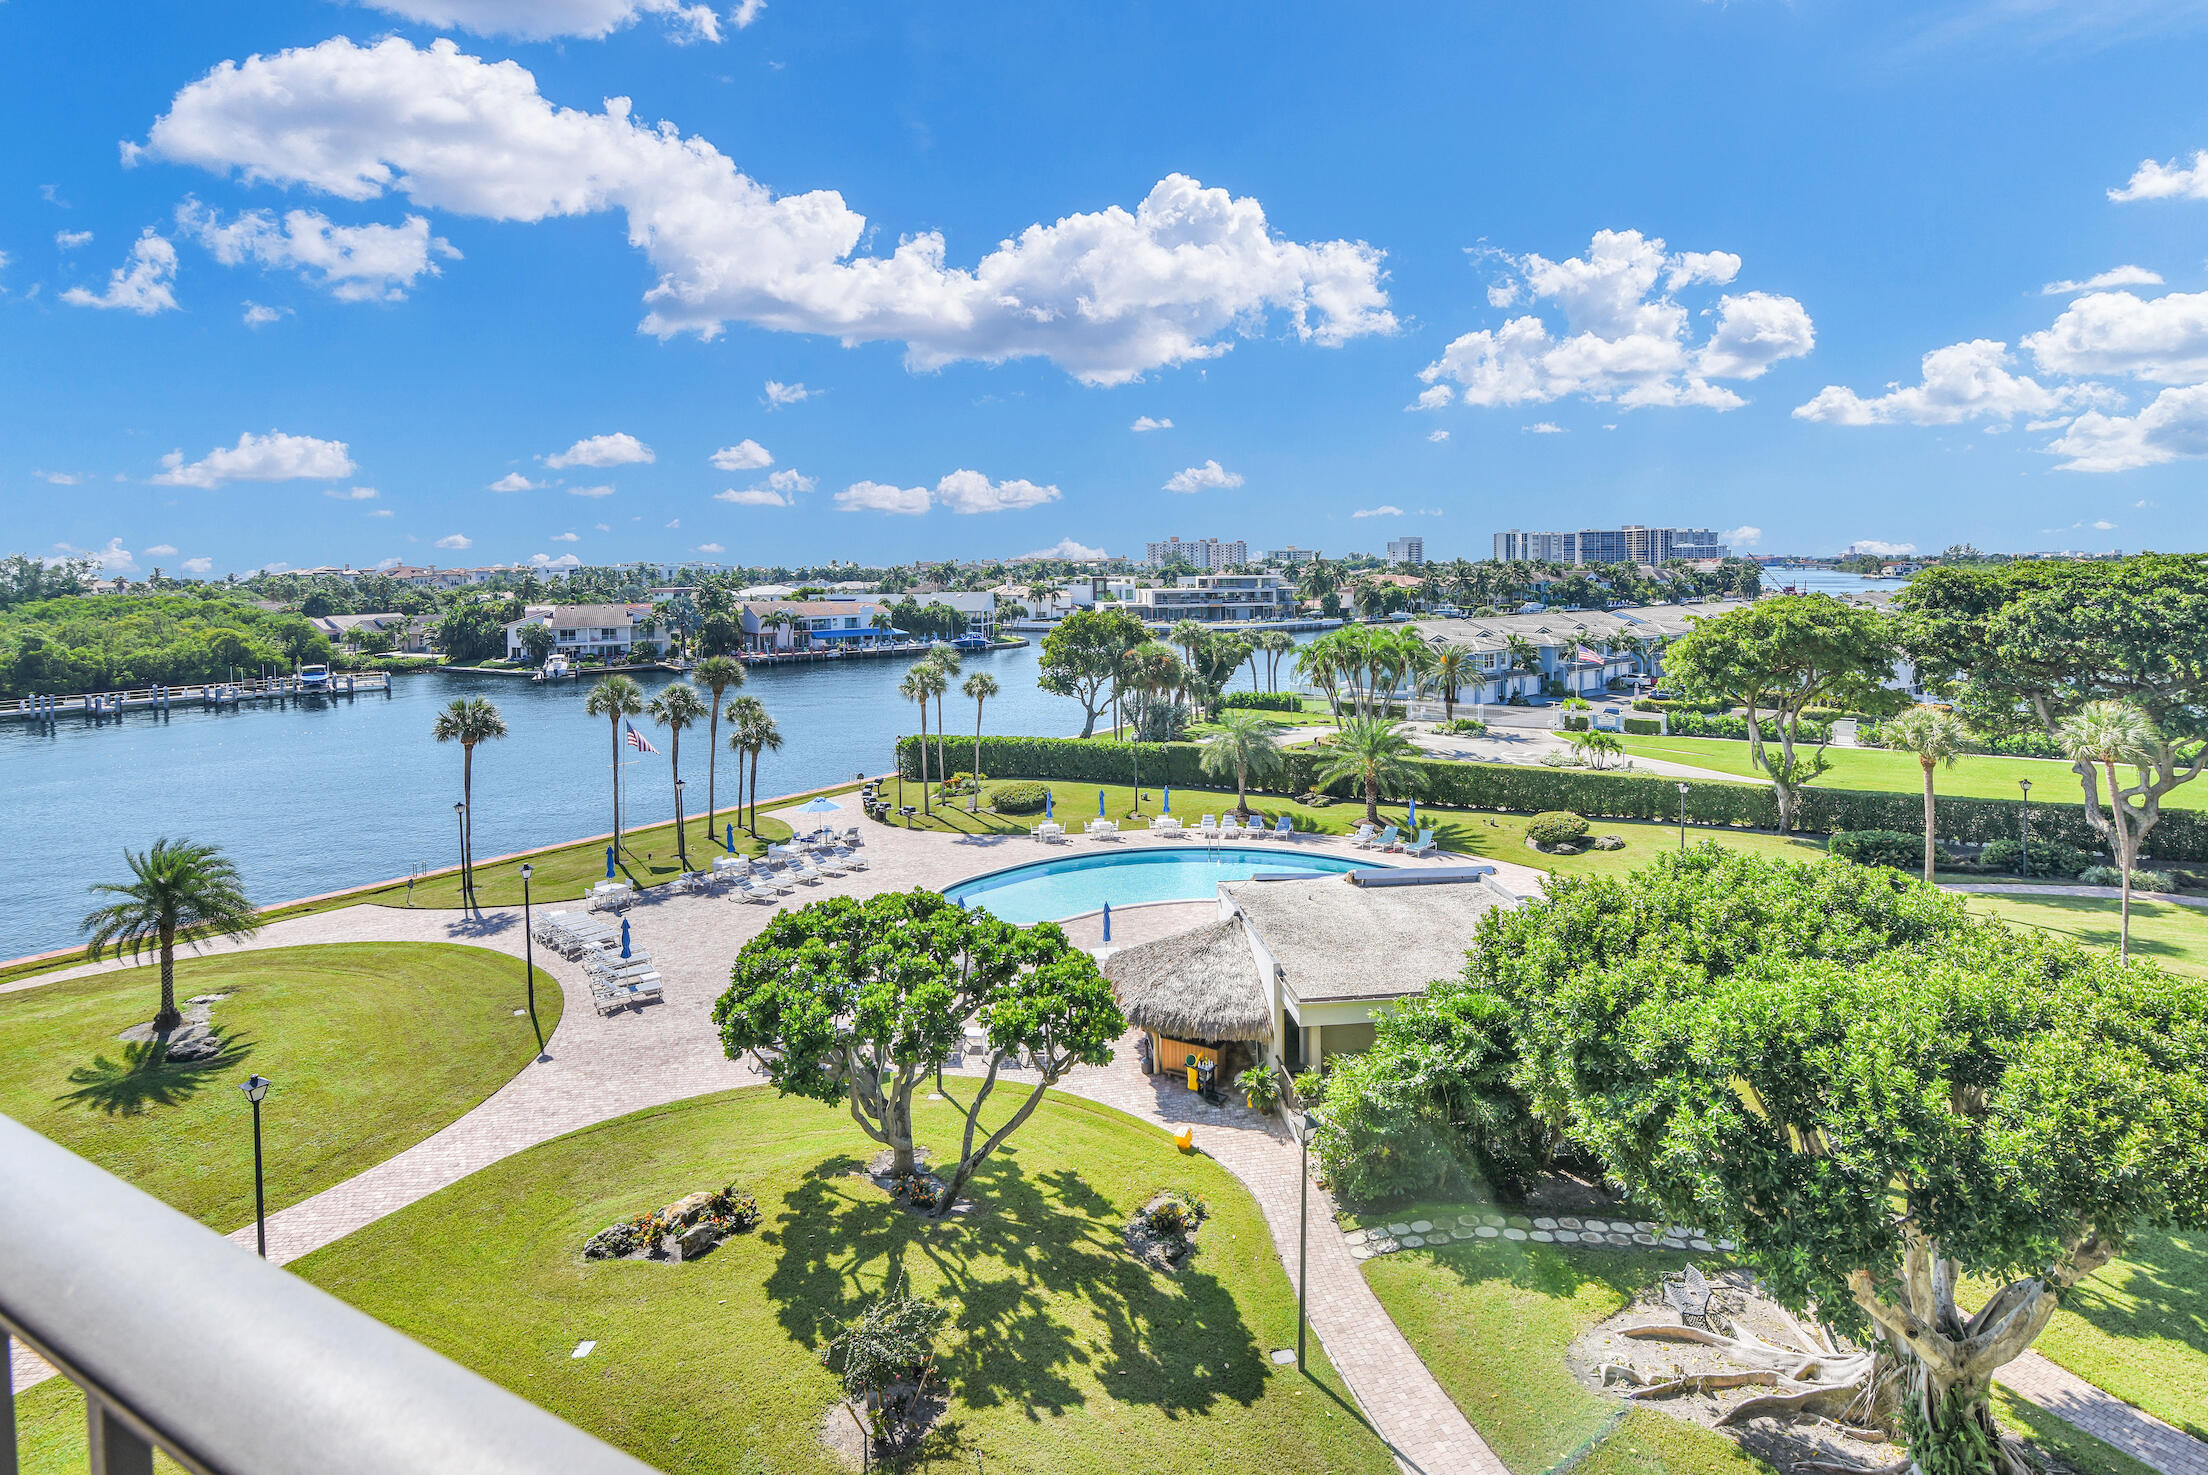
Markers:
point(1643, 726)
point(2182, 835)
point(1264, 701)
point(1026, 797)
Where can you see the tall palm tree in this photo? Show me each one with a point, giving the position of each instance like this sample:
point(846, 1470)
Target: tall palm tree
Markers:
point(1524, 654)
point(1449, 669)
point(1936, 737)
point(1244, 746)
point(2109, 733)
point(716, 674)
point(468, 721)
point(743, 714)
point(1274, 644)
point(675, 708)
point(178, 891)
point(1189, 636)
point(756, 734)
point(881, 623)
point(1149, 671)
point(980, 686)
point(947, 660)
point(615, 698)
point(1373, 751)
point(924, 680)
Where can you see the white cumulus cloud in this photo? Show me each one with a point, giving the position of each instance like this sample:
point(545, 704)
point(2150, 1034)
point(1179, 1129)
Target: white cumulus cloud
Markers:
point(113, 559)
point(2171, 181)
point(160, 550)
point(875, 496)
point(970, 491)
point(59, 478)
point(356, 263)
point(2118, 276)
point(1624, 336)
point(711, 548)
point(1437, 436)
point(1544, 427)
point(601, 451)
point(753, 497)
point(512, 481)
point(1210, 476)
point(197, 565)
point(777, 394)
point(257, 315)
point(271, 457)
point(1145, 423)
point(1067, 548)
point(144, 284)
point(544, 20)
point(745, 455)
point(456, 541)
point(565, 538)
point(69, 240)
point(1964, 381)
point(2174, 426)
point(2164, 338)
point(1107, 295)
point(546, 560)
point(1743, 536)
point(1385, 509)
point(595, 491)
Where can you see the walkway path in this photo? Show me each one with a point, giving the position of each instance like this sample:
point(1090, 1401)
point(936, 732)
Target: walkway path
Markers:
point(595, 1068)
point(2098, 893)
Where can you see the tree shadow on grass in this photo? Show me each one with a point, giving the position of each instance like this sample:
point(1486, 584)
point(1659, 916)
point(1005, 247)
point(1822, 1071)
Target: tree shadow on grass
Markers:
point(2164, 1298)
point(145, 1077)
point(1175, 1343)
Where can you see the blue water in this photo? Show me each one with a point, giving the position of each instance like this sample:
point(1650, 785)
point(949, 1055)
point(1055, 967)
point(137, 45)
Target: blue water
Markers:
point(1778, 576)
point(1051, 890)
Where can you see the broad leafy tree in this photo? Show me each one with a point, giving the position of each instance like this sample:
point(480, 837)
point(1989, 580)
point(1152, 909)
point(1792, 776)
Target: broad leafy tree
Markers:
point(1374, 752)
point(1081, 657)
point(855, 1003)
point(2024, 647)
point(177, 892)
point(1935, 737)
point(468, 721)
point(1780, 657)
point(1876, 1096)
point(471, 632)
point(1246, 746)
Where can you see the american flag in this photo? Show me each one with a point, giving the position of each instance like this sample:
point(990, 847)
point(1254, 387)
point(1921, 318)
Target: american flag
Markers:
point(1588, 655)
point(638, 741)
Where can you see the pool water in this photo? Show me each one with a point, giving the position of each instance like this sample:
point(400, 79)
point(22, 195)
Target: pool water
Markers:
point(1052, 890)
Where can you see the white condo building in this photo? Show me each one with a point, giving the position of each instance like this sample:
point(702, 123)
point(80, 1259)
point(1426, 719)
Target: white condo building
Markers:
point(1407, 550)
point(1204, 553)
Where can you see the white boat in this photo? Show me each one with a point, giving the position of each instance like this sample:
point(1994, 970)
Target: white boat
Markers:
point(556, 668)
point(314, 678)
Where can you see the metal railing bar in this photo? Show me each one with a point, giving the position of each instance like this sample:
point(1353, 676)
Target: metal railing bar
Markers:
point(235, 1367)
point(8, 1464)
point(113, 1447)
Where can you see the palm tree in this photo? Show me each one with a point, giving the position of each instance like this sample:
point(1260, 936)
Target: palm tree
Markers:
point(924, 680)
point(1243, 744)
point(677, 707)
point(743, 715)
point(1448, 670)
point(1189, 636)
point(755, 734)
point(178, 890)
point(468, 721)
point(615, 698)
point(948, 661)
point(1274, 644)
point(1524, 655)
point(880, 622)
point(2109, 733)
point(1374, 751)
point(1149, 670)
point(716, 674)
point(980, 686)
point(1936, 737)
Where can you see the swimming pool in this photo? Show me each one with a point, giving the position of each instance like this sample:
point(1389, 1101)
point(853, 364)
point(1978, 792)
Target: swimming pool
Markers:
point(1050, 890)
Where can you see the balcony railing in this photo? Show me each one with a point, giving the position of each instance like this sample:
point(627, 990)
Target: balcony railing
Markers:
point(187, 1343)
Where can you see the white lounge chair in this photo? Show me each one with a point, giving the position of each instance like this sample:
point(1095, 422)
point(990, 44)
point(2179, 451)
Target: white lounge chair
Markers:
point(1285, 828)
point(748, 890)
point(1229, 825)
point(1387, 839)
point(1208, 825)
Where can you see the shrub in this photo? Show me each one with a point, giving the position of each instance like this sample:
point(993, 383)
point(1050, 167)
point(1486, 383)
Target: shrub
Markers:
point(1264, 701)
point(1311, 1086)
point(1175, 1216)
point(1576, 704)
point(1560, 758)
point(1020, 798)
point(1557, 827)
point(1259, 1088)
point(1576, 724)
point(1725, 725)
point(735, 1206)
point(2140, 880)
point(1643, 726)
point(2047, 858)
point(1461, 727)
point(1894, 848)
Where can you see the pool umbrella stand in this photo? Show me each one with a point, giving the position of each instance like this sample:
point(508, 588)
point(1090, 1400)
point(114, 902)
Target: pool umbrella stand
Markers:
point(822, 805)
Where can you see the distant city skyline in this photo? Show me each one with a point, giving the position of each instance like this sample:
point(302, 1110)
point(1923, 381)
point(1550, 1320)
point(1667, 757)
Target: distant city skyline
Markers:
point(834, 281)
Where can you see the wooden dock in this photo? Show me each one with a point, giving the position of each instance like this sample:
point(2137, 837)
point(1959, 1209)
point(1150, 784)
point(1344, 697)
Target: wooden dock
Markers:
point(99, 706)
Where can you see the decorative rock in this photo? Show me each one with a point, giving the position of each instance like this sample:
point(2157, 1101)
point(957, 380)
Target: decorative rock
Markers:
point(1619, 1239)
point(1355, 1236)
point(1514, 1232)
point(1543, 1235)
point(1644, 1240)
point(697, 1239)
point(1642, 1226)
point(1487, 1231)
point(688, 1209)
point(1702, 1244)
point(1492, 1220)
point(1569, 1223)
point(1544, 1224)
point(1519, 1221)
point(1594, 1226)
point(1727, 1246)
point(1359, 1252)
point(1469, 1221)
point(1387, 1247)
point(1460, 1232)
point(1413, 1241)
point(1399, 1230)
point(1422, 1226)
point(1567, 1236)
point(189, 1049)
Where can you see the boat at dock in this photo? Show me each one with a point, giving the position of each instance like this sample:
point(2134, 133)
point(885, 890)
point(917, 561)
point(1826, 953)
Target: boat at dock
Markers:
point(556, 668)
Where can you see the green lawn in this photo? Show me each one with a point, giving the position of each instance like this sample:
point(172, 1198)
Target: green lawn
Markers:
point(1063, 1353)
point(1977, 776)
point(372, 1046)
point(2164, 932)
point(1492, 1318)
point(1478, 832)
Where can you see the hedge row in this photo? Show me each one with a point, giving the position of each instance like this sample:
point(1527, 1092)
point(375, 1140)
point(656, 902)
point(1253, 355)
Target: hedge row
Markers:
point(1264, 701)
point(1643, 726)
point(2182, 835)
point(1697, 724)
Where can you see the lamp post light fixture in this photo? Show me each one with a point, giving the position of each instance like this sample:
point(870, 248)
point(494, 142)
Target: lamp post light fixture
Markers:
point(529, 956)
point(2026, 785)
point(1682, 816)
point(460, 820)
point(1310, 1124)
point(255, 1087)
point(682, 848)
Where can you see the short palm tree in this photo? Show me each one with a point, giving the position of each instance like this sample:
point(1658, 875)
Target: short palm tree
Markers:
point(980, 686)
point(177, 891)
point(716, 674)
point(1449, 670)
point(1373, 751)
point(468, 721)
point(675, 708)
point(760, 735)
point(1937, 737)
point(615, 698)
point(1243, 745)
point(949, 662)
point(2109, 733)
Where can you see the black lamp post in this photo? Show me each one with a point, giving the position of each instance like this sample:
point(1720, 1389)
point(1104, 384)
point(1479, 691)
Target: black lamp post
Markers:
point(529, 956)
point(1682, 816)
point(2026, 785)
point(255, 1087)
point(682, 848)
point(1310, 1124)
point(460, 819)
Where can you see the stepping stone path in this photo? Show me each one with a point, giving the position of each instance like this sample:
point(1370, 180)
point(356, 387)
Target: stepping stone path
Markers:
point(1564, 1229)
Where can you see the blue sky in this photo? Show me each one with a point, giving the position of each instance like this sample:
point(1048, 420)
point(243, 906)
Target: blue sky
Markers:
point(303, 283)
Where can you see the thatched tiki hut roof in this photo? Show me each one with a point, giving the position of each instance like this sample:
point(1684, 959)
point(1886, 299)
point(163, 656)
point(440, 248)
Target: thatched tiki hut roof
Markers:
point(1195, 985)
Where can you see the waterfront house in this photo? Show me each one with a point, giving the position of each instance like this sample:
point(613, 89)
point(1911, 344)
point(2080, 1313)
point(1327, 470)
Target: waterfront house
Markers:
point(808, 624)
point(1215, 598)
point(608, 631)
point(1580, 651)
point(1291, 972)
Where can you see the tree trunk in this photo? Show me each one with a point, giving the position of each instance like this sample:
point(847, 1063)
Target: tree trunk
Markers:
point(674, 766)
point(942, 769)
point(617, 785)
point(467, 821)
point(1372, 802)
point(924, 757)
point(712, 765)
point(2123, 861)
point(1928, 841)
point(1241, 794)
point(974, 805)
point(755, 753)
point(168, 1017)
